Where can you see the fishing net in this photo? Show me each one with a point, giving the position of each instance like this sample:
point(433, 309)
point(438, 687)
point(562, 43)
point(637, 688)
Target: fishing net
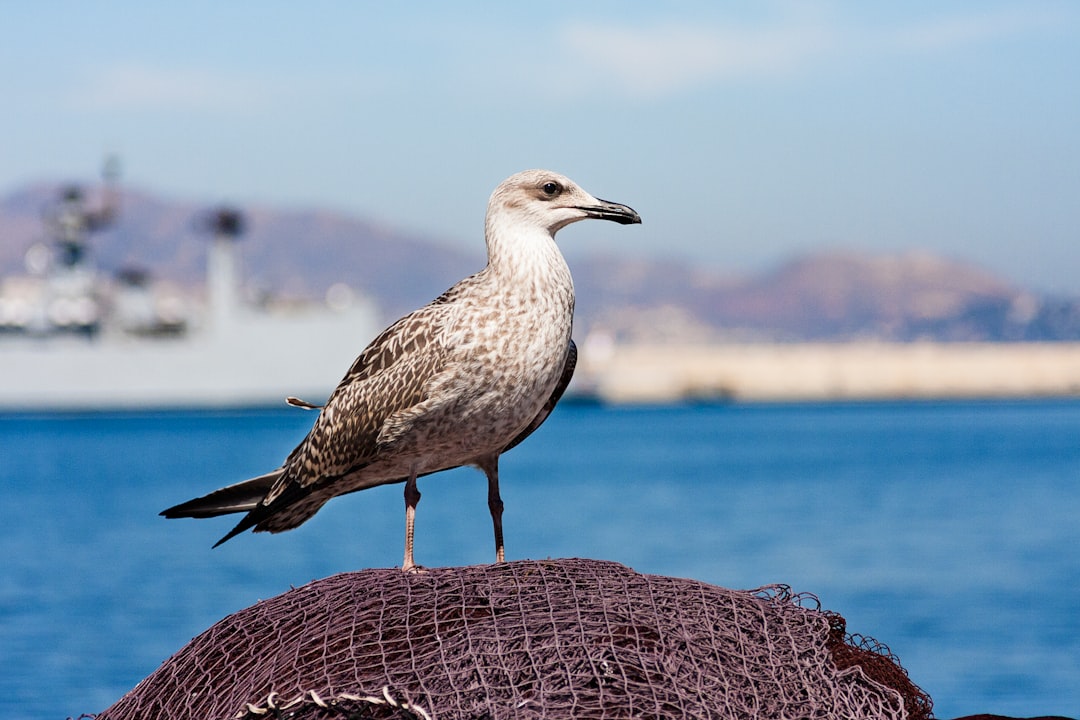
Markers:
point(530, 639)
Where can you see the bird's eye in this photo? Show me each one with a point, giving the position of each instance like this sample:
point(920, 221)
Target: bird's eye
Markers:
point(551, 189)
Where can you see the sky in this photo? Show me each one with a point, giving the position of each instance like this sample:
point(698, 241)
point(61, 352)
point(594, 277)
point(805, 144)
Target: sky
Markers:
point(743, 132)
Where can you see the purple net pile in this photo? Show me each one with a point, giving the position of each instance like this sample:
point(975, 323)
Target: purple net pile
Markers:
point(529, 639)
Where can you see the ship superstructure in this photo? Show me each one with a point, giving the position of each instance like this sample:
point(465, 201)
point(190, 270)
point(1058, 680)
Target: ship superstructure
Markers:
point(72, 338)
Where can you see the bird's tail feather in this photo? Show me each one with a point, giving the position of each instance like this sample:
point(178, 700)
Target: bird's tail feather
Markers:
point(241, 497)
point(286, 511)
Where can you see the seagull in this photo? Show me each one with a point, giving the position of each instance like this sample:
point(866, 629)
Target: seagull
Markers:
point(457, 382)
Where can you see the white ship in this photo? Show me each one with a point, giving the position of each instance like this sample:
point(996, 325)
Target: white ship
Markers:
point(71, 339)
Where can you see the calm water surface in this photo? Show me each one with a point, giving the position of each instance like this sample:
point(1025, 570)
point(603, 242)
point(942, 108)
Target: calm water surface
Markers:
point(948, 531)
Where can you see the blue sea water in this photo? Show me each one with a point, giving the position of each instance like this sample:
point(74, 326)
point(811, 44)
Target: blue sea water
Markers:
point(948, 531)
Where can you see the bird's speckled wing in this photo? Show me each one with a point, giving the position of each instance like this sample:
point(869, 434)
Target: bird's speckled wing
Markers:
point(388, 378)
point(542, 416)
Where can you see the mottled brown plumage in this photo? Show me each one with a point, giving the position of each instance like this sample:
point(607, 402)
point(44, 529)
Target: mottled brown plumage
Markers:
point(457, 382)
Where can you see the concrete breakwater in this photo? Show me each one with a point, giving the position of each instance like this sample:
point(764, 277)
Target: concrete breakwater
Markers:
point(829, 371)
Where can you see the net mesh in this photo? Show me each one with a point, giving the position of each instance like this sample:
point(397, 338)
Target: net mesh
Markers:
point(528, 639)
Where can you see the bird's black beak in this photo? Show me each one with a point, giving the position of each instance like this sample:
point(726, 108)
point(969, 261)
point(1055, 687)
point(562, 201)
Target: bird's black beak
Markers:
point(604, 210)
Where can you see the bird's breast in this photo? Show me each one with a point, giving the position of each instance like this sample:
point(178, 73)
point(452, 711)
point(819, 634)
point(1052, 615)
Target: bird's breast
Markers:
point(506, 360)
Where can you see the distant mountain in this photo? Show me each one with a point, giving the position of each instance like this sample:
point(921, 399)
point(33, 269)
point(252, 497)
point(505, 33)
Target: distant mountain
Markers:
point(833, 295)
point(896, 297)
point(826, 296)
point(289, 253)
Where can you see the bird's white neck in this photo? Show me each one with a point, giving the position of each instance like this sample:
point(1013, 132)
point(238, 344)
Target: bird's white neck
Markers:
point(525, 255)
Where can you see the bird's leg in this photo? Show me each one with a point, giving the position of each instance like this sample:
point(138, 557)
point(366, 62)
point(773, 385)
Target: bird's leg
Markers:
point(490, 466)
point(412, 497)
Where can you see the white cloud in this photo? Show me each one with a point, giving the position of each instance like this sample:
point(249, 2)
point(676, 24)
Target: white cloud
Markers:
point(143, 87)
point(949, 33)
point(147, 88)
point(653, 62)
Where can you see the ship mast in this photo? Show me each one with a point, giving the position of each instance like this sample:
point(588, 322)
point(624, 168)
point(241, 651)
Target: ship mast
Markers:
point(222, 276)
point(72, 303)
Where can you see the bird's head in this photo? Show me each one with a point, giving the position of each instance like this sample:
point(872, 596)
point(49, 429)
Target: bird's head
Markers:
point(545, 200)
